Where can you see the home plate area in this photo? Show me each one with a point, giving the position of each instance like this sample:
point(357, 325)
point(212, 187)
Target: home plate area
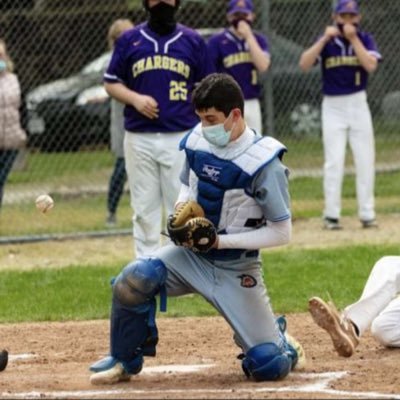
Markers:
point(196, 359)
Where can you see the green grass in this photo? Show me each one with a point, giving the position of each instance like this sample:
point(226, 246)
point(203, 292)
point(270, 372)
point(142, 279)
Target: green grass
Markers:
point(65, 168)
point(83, 293)
point(78, 182)
point(307, 195)
point(86, 212)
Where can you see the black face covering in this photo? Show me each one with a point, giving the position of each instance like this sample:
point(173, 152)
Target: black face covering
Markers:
point(236, 21)
point(162, 18)
point(340, 27)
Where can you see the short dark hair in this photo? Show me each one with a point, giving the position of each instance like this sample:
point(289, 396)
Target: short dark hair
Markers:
point(220, 91)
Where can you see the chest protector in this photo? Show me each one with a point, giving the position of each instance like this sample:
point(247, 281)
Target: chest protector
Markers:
point(222, 186)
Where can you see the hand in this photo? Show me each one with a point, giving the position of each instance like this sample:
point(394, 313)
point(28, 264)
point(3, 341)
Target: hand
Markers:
point(244, 29)
point(146, 105)
point(331, 32)
point(349, 31)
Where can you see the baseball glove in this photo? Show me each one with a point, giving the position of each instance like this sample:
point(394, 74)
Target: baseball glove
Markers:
point(189, 228)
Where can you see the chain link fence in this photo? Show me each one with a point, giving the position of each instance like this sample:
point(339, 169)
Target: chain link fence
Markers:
point(59, 49)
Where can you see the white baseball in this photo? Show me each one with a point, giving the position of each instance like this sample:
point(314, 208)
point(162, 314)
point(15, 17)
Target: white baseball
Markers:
point(44, 203)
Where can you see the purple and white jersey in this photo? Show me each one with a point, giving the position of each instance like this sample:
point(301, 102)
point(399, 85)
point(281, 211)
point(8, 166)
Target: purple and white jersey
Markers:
point(230, 54)
point(342, 72)
point(164, 67)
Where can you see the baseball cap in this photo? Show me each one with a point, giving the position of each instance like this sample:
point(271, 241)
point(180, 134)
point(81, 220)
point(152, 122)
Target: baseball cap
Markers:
point(240, 6)
point(346, 7)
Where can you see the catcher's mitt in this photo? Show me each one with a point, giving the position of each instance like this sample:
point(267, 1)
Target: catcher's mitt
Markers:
point(189, 228)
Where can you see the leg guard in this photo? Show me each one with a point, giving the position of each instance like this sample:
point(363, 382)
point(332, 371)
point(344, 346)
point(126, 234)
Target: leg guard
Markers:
point(133, 327)
point(266, 362)
point(290, 345)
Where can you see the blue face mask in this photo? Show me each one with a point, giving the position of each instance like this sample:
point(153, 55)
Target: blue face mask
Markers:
point(216, 134)
point(3, 65)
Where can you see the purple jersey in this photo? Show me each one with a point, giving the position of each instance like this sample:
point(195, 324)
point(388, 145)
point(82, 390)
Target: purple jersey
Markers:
point(342, 72)
point(231, 55)
point(164, 67)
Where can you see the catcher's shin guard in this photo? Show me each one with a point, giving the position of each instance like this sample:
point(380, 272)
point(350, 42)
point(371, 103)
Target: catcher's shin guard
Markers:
point(133, 326)
point(266, 362)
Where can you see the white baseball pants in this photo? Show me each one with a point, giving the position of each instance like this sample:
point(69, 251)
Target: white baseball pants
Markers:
point(153, 164)
point(252, 115)
point(348, 118)
point(379, 304)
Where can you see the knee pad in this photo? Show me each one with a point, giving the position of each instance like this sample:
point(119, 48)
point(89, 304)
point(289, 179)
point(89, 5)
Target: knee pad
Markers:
point(139, 281)
point(266, 362)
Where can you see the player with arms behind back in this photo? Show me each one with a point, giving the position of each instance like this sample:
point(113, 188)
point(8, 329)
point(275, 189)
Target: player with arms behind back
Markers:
point(347, 56)
point(235, 193)
point(153, 71)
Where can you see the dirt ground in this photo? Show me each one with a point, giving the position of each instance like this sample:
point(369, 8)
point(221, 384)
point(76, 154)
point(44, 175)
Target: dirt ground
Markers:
point(196, 356)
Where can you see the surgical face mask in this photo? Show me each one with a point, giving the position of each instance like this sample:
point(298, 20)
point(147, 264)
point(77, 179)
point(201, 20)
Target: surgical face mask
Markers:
point(216, 134)
point(3, 65)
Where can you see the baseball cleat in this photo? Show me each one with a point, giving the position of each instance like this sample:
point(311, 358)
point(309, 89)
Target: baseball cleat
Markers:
point(113, 375)
point(332, 224)
point(369, 224)
point(340, 329)
point(3, 360)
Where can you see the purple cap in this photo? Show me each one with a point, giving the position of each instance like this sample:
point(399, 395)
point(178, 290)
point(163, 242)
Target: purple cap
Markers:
point(347, 7)
point(240, 6)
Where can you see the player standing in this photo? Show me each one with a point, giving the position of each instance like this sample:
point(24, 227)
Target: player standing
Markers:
point(347, 55)
point(153, 71)
point(239, 180)
point(243, 53)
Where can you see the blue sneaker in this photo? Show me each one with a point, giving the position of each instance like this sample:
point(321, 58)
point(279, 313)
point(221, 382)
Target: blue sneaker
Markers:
point(109, 370)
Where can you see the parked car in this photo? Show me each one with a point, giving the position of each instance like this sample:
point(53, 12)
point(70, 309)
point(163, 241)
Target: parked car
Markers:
point(68, 113)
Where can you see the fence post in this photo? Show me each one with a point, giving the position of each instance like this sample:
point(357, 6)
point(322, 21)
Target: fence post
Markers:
point(268, 98)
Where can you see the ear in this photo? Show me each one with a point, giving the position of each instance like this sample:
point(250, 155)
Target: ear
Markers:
point(236, 114)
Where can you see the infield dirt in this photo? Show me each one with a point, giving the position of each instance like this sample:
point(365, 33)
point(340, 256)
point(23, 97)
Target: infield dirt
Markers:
point(50, 360)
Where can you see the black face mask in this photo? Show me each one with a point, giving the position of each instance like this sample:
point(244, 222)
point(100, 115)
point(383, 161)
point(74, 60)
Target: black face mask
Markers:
point(340, 27)
point(162, 18)
point(236, 21)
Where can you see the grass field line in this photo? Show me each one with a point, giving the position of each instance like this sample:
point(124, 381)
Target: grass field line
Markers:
point(27, 192)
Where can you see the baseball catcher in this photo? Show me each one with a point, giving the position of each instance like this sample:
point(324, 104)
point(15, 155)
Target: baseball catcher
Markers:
point(240, 188)
point(188, 227)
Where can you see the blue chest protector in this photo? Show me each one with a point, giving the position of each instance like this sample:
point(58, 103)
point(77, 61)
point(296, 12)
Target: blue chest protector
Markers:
point(216, 176)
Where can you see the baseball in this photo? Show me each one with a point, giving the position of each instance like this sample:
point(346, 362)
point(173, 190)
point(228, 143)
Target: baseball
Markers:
point(44, 203)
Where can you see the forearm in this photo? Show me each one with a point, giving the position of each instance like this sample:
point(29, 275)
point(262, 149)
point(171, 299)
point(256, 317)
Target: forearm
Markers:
point(309, 56)
point(272, 235)
point(184, 194)
point(259, 57)
point(367, 60)
point(120, 92)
